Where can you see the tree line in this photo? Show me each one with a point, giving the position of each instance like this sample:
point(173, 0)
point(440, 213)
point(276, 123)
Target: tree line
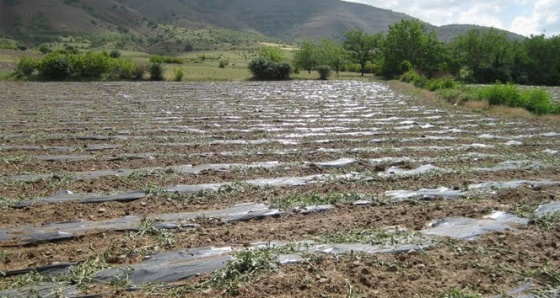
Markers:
point(474, 57)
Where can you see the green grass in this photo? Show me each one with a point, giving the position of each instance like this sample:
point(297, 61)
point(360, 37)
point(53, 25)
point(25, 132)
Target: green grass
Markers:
point(393, 237)
point(80, 275)
point(294, 200)
point(549, 221)
point(535, 100)
point(6, 75)
point(244, 265)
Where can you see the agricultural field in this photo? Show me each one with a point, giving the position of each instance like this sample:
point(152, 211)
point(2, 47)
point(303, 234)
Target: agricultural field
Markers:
point(271, 189)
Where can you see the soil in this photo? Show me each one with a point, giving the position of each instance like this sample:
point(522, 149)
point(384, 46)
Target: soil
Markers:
point(159, 125)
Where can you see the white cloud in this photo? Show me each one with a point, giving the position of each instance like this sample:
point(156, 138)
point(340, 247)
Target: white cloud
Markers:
point(521, 16)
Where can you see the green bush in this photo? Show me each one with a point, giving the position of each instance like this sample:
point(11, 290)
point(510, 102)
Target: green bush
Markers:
point(507, 95)
point(55, 67)
point(441, 83)
point(27, 65)
point(156, 71)
point(179, 73)
point(125, 69)
point(263, 69)
point(405, 66)
point(410, 76)
point(90, 65)
point(60, 66)
point(44, 49)
point(536, 100)
point(324, 72)
point(165, 59)
point(115, 54)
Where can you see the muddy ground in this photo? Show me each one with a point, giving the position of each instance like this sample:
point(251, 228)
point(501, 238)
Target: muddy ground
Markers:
point(350, 145)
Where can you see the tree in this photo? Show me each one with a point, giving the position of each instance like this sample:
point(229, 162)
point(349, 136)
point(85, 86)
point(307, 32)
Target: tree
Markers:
point(542, 64)
point(333, 54)
point(307, 56)
point(273, 54)
point(408, 41)
point(362, 47)
point(489, 55)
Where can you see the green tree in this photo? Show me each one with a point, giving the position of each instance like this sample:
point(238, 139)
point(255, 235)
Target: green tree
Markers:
point(307, 57)
point(333, 54)
point(542, 64)
point(408, 41)
point(488, 55)
point(273, 54)
point(362, 47)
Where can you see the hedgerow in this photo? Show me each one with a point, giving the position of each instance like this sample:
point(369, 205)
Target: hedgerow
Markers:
point(63, 65)
point(534, 100)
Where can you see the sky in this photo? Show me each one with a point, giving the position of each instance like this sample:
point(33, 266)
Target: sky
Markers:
point(524, 17)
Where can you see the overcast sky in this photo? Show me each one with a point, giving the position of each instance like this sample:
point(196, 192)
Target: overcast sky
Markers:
point(525, 17)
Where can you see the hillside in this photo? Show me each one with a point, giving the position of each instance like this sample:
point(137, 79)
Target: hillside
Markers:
point(144, 23)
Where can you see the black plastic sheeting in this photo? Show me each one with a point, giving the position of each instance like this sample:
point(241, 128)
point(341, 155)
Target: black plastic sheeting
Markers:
point(68, 230)
point(169, 267)
point(181, 169)
point(67, 196)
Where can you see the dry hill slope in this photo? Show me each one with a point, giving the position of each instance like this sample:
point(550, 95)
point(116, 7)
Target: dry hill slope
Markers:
point(289, 20)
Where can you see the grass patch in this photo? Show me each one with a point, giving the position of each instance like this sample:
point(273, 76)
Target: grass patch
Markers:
point(295, 200)
point(392, 236)
point(535, 100)
point(244, 265)
point(80, 276)
point(549, 221)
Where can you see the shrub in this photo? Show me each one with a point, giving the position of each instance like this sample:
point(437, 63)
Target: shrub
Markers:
point(410, 76)
point(179, 73)
point(115, 54)
point(263, 69)
point(537, 101)
point(55, 67)
point(165, 59)
point(441, 83)
point(223, 64)
point(60, 66)
point(324, 72)
point(156, 71)
point(405, 66)
point(420, 81)
point(44, 49)
point(27, 65)
point(157, 59)
point(501, 95)
point(127, 70)
point(90, 65)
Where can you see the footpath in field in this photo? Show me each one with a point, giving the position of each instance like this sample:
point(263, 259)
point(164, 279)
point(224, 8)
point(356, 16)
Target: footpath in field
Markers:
point(271, 189)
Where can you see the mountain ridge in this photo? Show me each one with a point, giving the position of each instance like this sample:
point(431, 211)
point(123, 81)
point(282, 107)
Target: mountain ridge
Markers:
point(33, 21)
